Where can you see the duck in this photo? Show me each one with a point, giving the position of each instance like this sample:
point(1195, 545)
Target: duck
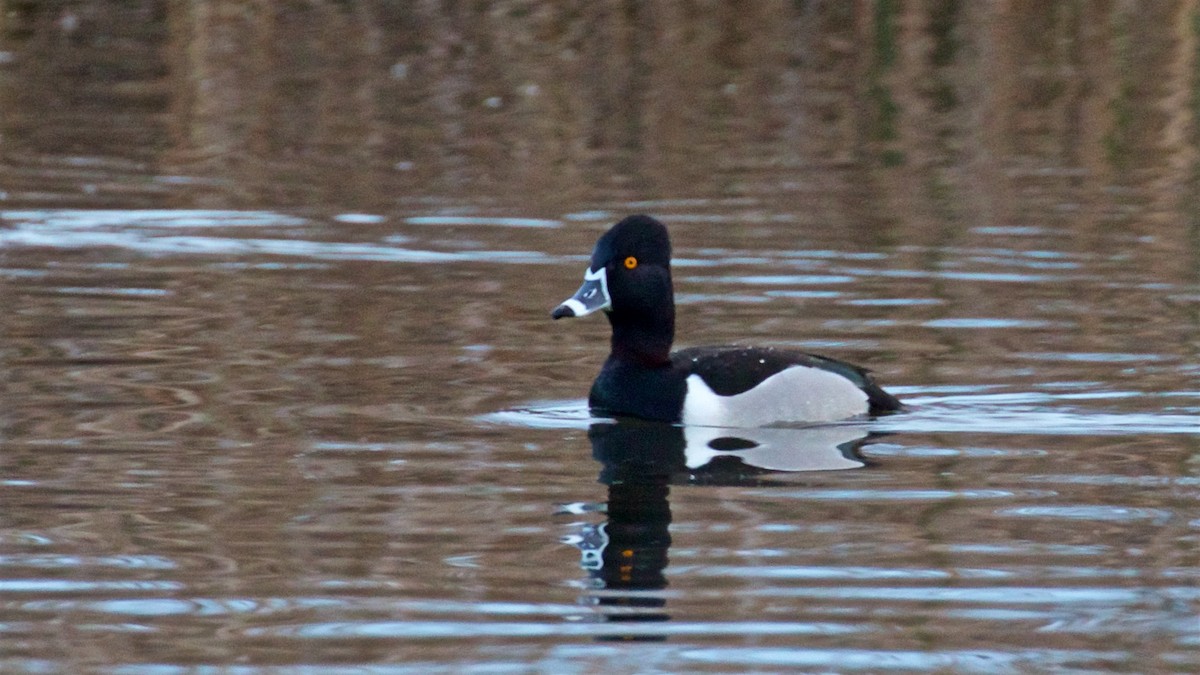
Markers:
point(629, 279)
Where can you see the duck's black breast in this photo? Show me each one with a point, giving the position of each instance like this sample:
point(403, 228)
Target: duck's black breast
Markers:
point(625, 388)
point(732, 370)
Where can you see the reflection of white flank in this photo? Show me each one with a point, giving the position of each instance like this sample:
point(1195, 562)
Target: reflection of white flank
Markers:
point(796, 394)
point(777, 449)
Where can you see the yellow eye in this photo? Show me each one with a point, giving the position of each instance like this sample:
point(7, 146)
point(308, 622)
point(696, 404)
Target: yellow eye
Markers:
point(630, 263)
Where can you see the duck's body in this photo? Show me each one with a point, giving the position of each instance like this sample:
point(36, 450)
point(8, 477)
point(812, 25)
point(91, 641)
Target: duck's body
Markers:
point(630, 279)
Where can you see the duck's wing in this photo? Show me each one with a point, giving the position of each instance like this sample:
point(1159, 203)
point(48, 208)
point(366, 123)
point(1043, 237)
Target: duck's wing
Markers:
point(732, 370)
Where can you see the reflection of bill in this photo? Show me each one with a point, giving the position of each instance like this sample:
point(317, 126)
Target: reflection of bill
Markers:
point(627, 559)
point(626, 556)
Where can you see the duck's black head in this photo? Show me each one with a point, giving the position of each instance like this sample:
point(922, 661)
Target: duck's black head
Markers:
point(630, 279)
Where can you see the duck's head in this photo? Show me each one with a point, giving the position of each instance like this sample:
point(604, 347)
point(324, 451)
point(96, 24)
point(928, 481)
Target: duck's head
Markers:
point(629, 273)
point(630, 279)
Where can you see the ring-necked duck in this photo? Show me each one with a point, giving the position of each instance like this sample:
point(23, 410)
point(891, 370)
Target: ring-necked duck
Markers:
point(630, 279)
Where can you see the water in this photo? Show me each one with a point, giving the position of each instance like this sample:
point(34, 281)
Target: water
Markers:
point(251, 437)
point(281, 391)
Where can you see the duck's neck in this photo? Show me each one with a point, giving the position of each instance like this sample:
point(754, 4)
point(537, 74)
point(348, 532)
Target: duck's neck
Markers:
point(643, 338)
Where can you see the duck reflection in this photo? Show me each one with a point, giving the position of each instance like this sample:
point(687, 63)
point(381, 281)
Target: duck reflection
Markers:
point(626, 556)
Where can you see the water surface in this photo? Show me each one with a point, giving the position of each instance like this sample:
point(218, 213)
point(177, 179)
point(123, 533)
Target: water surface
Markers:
point(281, 392)
point(255, 434)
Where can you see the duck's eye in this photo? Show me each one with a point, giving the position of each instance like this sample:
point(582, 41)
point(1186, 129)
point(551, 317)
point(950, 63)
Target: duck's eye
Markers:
point(630, 263)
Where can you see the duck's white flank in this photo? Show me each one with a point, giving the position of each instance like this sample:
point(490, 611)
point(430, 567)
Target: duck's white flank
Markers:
point(796, 394)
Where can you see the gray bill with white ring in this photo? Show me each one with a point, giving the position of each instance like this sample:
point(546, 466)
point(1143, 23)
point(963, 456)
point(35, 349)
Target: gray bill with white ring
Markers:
point(592, 296)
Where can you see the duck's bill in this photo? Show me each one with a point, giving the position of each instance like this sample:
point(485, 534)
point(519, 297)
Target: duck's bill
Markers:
point(592, 296)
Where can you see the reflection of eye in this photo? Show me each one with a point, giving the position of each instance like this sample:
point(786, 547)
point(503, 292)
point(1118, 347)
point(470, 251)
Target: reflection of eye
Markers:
point(630, 263)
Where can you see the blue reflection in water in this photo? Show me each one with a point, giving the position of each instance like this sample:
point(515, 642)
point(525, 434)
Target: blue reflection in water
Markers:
point(1088, 512)
point(985, 661)
point(519, 629)
point(155, 233)
point(82, 586)
point(56, 561)
point(1003, 595)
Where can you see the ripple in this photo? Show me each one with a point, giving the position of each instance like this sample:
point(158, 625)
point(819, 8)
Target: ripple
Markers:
point(777, 279)
point(803, 294)
point(482, 221)
point(1027, 549)
point(888, 450)
point(1108, 479)
point(457, 630)
point(569, 414)
point(991, 322)
point(146, 232)
point(904, 495)
point(590, 216)
point(997, 277)
point(127, 607)
point(893, 302)
point(360, 218)
point(848, 573)
point(1015, 414)
point(80, 586)
point(119, 292)
point(961, 409)
point(1089, 512)
point(176, 245)
point(1022, 259)
point(727, 298)
point(17, 538)
point(1101, 596)
point(1093, 357)
point(53, 561)
point(169, 218)
point(1012, 230)
point(988, 661)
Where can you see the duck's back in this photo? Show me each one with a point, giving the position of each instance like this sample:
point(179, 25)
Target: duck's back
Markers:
point(754, 386)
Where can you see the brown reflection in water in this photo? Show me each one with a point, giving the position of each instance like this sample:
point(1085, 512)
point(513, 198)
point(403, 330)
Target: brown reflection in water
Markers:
point(904, 118)
point(888, 123)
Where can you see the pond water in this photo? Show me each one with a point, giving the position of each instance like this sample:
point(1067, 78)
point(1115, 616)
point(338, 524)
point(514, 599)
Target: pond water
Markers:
point(281, 390)
point(250, 437)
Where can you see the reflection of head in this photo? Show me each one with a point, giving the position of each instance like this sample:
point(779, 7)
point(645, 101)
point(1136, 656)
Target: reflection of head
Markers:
point(627, 557)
